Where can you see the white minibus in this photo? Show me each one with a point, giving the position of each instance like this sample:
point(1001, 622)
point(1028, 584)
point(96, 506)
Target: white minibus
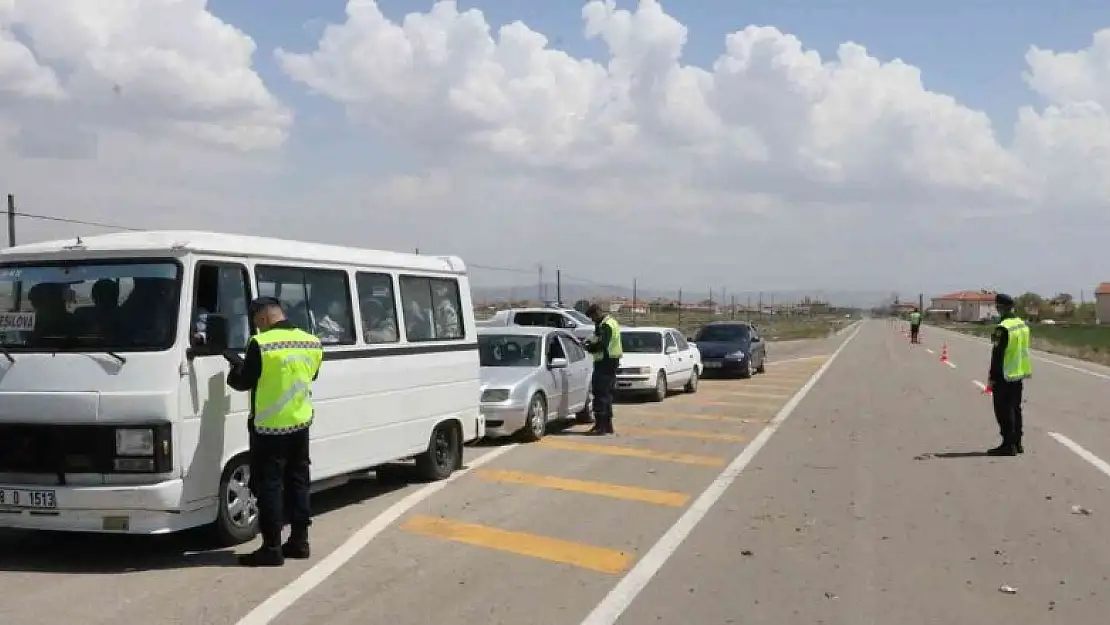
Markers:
point(114, 412)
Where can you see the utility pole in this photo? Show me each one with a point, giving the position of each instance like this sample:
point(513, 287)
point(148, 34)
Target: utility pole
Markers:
point(749, 307)
point(11, 220)
point(539, 285)
point(634, 295)
point(679, 322)
point(760, 315)
point(732, 309)
point(920, 301)
point(559, 287)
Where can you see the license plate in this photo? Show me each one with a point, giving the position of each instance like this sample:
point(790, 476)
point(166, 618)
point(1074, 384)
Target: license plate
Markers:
point(712, 365)
point(24, 498)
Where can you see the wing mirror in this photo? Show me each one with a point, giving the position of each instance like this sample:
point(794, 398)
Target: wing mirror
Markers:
point(558, 363)
point(671, 349)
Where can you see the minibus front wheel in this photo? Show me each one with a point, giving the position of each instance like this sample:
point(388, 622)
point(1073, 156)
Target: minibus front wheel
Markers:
point(444, 454)
point(237, 512)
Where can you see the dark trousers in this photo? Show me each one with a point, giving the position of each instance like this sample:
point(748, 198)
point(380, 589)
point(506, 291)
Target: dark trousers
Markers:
point(280, 480)
point(1007, 410)
point(914, 330)
point(602, 384)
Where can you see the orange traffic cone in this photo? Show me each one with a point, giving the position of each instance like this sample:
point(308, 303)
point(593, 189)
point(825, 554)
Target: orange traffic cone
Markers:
point(944, 353)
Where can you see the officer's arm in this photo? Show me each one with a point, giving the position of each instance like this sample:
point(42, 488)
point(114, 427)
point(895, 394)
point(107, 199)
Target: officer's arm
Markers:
point(244, 377)
point(604, 333)
point(999, 340)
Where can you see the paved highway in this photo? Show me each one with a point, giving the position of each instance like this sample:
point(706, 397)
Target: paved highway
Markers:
point(845, 486)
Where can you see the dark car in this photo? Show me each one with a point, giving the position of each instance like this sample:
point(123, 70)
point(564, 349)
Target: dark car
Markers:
point(731, 347)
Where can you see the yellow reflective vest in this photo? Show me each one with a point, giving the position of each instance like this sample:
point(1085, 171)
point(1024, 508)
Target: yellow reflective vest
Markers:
point(283, 396)
point(615, 349)
point(1016, 361)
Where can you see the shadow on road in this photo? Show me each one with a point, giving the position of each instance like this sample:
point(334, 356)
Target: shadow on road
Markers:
point(106, 554)
point(961, 454)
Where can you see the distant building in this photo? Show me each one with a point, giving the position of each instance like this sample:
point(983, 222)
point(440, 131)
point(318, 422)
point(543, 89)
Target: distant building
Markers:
point(965, 305)
point(1102, 303)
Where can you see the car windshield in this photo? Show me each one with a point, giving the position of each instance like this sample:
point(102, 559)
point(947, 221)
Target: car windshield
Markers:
point(723, 334)
point(580, 318)
point(641, 342)
point(89, 306)
point(509, 350)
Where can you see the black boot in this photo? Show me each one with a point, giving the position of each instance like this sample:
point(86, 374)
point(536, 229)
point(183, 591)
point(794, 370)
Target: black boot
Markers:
point(1018, 448)
point(263, 556)
point(296, 548)
point(1005, 449)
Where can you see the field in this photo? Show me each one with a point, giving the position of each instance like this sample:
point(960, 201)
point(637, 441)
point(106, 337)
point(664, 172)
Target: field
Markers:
point(773, 328)
point(1087, 341)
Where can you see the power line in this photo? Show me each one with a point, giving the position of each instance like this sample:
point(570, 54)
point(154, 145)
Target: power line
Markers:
point(79, 222)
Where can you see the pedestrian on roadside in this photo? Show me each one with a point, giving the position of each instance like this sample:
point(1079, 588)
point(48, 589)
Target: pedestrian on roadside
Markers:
point(1010, 365)
point(282, 361)
point(607, 351)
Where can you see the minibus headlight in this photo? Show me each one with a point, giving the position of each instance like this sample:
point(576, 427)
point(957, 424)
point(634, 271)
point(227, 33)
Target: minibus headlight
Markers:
point(134, 442)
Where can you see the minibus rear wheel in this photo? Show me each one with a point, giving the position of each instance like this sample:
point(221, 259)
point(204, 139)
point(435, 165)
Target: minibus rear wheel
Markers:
point(237, 508)
point(444, 453)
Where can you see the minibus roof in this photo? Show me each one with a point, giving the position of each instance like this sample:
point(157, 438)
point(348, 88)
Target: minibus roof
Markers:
point(236, 245)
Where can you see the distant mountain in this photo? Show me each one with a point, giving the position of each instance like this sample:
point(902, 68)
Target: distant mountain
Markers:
point(574, 292)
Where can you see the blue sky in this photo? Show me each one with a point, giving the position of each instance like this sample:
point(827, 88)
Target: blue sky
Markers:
point(971, 49)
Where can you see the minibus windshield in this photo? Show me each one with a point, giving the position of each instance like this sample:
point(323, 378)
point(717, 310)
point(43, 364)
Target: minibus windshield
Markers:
point(94, 305)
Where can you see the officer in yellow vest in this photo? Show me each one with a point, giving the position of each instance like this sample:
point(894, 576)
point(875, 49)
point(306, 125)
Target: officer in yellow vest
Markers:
point(915, 326)
point(1010, 365)
point(281, 363)
point(607, 351)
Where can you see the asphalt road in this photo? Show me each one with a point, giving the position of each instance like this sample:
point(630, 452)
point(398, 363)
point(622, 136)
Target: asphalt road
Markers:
point(861, 499)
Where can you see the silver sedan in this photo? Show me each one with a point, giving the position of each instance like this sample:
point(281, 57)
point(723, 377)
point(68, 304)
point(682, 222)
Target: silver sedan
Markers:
point(530, 377)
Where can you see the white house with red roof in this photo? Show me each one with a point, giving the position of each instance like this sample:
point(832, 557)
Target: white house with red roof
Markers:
point(965, 305)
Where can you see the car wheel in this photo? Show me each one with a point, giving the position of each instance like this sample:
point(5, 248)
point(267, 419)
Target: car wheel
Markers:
point(692, 383)
point(443, 456)
point(748, 369)
point(586, 415)
point(237, 514)
point(660, 387)
point(535, 425)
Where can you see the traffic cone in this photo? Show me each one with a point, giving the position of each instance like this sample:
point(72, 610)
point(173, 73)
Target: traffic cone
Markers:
point(944, 353)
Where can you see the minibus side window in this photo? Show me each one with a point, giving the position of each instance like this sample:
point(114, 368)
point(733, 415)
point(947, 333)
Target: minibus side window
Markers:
point(317, 301)
point(432, 309)
point(220, 290)
point(378, 308)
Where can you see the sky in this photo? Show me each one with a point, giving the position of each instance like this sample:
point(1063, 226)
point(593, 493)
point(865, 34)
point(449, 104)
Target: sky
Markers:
point(755, 145)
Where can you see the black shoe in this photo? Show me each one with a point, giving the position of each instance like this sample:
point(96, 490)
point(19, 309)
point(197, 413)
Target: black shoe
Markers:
point(1018, 448)
point(1003, 450)
point(263, 556)
point(296, 550)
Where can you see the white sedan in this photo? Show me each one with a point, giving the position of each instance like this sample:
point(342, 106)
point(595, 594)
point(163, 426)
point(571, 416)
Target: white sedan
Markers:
point(657, 361)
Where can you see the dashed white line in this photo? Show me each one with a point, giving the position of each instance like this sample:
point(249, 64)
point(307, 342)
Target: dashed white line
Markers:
point(625, 592)
point(280, 601)
point(1094, 460)
point(950, 363)
point(982, 387)
point(929, 350)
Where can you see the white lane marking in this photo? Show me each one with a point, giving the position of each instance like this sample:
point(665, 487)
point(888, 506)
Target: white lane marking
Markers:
point(280, 601)
point(982, 387)
point(929, 350)
point(950, 363)
point(633, 583)
point(1095, 461)
point(799, 359)
point(1037, 356)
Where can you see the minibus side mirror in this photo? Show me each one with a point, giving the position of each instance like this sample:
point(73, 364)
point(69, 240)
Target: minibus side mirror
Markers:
point(216, 338)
